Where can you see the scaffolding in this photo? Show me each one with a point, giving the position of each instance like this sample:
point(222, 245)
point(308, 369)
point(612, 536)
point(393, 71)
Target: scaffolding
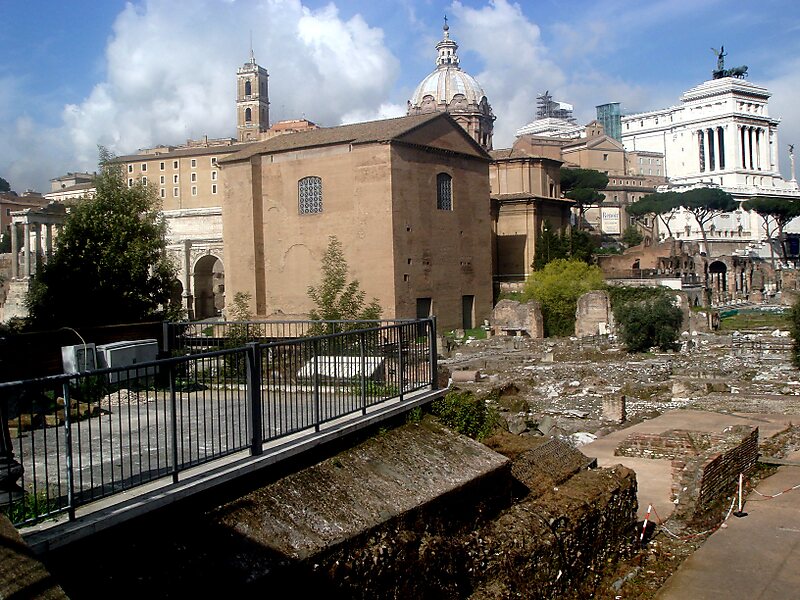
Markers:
point(546, 107)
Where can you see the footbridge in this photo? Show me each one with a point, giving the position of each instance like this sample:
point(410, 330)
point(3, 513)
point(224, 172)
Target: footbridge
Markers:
point(84, 451)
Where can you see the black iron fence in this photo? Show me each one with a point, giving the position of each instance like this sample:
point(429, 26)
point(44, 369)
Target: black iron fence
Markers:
point(86, 436)
point(201, 336)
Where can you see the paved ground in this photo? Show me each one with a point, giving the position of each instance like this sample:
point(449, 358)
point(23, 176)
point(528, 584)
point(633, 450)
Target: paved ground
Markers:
point(757, 556)
point(654, 477)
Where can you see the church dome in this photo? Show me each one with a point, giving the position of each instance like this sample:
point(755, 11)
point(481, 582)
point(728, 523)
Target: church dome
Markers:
point(451, 90)
point(444, 84)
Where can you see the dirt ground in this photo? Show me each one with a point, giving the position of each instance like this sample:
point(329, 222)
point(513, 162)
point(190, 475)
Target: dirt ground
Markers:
point(557, 387)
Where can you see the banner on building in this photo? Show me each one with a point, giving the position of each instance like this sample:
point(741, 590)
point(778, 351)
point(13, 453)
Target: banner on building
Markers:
point(609, 220)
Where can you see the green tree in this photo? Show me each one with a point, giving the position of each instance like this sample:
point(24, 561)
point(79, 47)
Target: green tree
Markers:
point(550, 246)
point(647, 319)
point(4, 185)
point(658, 206)
point(776, 212)
point(632, 236)
point(110, 263)
point(795, 328)
point(582, 185)
point(557, 288)
point(337, 299)
point(705, 204)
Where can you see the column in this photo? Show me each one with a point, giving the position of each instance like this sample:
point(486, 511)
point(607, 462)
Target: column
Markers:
point(48, 242)
point(188, 299)
point(26, 236)
point(750, 147)
point(701, 150)
point(14, 251)
point(712, 150)
point(37, 250)
point(721, 148)
point(758, 148)
point(743, 153)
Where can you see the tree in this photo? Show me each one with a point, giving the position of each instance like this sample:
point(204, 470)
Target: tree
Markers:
point(632, 236)
point(646, 317)
point(776, 213)
point(658, 206)
point(4, 185)
point(557, 288)
point(569, 244)
point(582, 185)
point(705, 204)
point(110, 263)
point(335, 298)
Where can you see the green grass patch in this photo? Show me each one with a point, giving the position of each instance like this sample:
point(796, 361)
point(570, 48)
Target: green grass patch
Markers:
point(756, 320)
point(467, 414)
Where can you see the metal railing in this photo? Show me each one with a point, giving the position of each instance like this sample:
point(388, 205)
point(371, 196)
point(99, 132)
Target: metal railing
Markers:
point(86, 436)
point(201, 336)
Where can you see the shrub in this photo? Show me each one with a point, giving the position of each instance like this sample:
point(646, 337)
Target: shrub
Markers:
point(648, 319)
point(466, 414)
point(795, 328)
point(557, 288)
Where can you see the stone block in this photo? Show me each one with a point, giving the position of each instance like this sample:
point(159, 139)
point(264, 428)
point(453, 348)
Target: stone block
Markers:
point(593, 315)
point(510, 317)
point(614, 409)
point(470, 376)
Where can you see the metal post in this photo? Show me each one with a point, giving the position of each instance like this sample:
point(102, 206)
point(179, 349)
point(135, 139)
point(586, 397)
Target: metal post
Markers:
point(167, 346)
point(10, 469)
point(362, 356)
point(174, 423)
point(68, 442)
point(400, 366)
point(316, 385)
point(434, 354)
point(254, 397)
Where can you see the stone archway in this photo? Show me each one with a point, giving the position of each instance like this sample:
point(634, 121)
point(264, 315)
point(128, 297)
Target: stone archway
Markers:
point(718, 273)
point(209, 287)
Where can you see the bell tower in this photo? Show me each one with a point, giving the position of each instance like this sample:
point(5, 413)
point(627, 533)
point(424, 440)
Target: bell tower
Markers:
point(252, 100)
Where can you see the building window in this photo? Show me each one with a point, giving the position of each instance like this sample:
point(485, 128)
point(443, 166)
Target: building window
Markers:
point(8, 212)
point(213, 175)
point(130, 168)
point(605, 156)
point(248, 88)
point(213, 161)
point(213, 188)
point(130, 182)
point(248, 115)
point(309, 195)
point(444, 192)
point(163, 193)
point(161, 165)
point(144, 180)
point(144, 166)
point(194, 177)
point(175, 178)
point(194, 163)
point(174, 164)
point(161, 180)
point(175, 192)
point(194, 190)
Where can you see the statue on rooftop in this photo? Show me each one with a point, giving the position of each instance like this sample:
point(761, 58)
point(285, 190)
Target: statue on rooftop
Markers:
point(721, 71)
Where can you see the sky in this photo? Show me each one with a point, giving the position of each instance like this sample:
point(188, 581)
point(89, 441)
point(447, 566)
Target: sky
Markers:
point(75, 74)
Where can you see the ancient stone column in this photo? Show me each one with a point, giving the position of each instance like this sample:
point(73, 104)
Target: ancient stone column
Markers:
point(14, 252)
point(26, 236)
point(48, 241)
point(37, 249)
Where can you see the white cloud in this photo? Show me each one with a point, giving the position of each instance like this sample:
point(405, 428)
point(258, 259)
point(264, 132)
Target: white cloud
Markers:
point(516, 64)
point(171, 76)
point(783, 104)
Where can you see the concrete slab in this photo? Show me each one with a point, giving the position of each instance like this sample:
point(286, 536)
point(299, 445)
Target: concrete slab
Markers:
point(757, 556)
point(653, 476)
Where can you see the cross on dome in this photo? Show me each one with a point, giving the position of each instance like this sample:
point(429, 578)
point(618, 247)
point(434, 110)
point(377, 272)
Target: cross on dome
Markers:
point(447, 49)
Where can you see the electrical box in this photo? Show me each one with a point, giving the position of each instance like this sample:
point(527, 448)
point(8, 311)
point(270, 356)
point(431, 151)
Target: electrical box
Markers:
point(128, 354)
point(78, 358)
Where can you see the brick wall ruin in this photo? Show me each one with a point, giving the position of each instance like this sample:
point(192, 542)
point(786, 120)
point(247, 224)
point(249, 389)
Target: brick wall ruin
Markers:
point(510, 317)
point(593, 315)
point(705, 466)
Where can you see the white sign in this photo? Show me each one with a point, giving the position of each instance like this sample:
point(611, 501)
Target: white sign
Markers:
point(609, 220)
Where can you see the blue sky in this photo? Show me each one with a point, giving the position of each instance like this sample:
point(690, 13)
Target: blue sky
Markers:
point(78, 73)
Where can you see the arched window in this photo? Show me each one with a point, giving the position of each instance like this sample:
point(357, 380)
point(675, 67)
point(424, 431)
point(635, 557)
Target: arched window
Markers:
point(309, 195)
point(247, 88)
point(248, 115)
point(444, 192)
